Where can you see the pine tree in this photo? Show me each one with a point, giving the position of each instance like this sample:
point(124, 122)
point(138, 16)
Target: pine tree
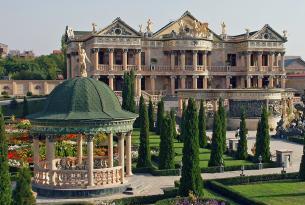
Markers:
point(126, 92)
point(242, 149)
point(25, 110)
point(173, 117)
point(160, 115)
point(5, 182)
point(144, 159)
point(190, 175)
point(167, 153)
point(202, 126)
point(216, 158)
point(223, 120)
point(265, 136)
point(302, 164)
point(151, 116)
point(23, 193)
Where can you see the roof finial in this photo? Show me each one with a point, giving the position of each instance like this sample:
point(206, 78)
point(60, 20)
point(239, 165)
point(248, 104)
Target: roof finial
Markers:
point(247, 32)
point(285, 32)
point(223, 28)
point(149, 26)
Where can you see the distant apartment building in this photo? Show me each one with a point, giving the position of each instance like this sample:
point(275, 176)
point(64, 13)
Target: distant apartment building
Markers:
point(57, 52)
point(24, 54)
point(3, 50)
point(294, 65)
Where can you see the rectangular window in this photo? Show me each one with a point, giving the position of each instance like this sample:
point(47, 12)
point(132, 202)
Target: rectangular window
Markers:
point(143, 58)
point(231, 59)
point(264, 60)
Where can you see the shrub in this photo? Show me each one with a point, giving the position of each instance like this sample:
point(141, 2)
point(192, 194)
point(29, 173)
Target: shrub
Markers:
point(29, 94)
point(5, 93)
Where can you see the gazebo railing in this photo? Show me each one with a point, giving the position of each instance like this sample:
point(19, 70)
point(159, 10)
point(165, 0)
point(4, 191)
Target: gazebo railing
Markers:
point(107, 176)
point(70, 178)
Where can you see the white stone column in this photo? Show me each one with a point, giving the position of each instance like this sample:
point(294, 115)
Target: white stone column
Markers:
point(80, 149)
point(249, 81)
point(125, 52)
point(259, 81)
point(205, 59)
point(45, 88)
point(271, 60)
point(128, 154)
point(182, 81)
point(283, 81)
point(260, 60)
point(138, 79)
point(110, 81)
point(228, 81)
point(95, 52)
point(283, 61)
point(270, 85)
point(36, 157)
point(110, 150)
point(248, 60)
point(90, 164)
point(182, 59)
point(195, 77)
point(173, 78)
point(152, 84)
point(195, 56)
point(205, 82)
point(121, 155)
point(138, 59)
point(110, 58)
point(172, 59)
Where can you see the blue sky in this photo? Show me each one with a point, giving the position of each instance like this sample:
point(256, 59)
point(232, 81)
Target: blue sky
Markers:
point(39, 24)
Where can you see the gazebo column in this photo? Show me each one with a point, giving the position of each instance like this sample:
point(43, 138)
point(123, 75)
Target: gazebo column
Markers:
point(128, 154)
point(90, 160)
point(80, 149)
point(36, 158)
point(110, 150)
point(121, 154)
point(50, 156)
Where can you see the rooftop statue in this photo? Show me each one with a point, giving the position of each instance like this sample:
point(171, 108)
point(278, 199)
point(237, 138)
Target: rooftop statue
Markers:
point(223, 28)
point(140, 28)
point(149, 26)
point(285, 33)
point(94, 27)
point(82, 61)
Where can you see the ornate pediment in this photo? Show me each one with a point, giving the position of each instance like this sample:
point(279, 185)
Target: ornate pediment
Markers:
point(186, 26)
point(268, 34)
point(118, 28)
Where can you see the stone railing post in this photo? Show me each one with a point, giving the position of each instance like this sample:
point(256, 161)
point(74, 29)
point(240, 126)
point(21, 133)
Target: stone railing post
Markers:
point(80, 149)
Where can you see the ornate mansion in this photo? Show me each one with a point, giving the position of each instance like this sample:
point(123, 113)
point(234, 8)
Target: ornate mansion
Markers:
point(185, 58)
point(184, 54)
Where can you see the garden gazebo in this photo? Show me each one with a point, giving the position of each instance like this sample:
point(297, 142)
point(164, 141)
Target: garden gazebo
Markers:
point(85, 107)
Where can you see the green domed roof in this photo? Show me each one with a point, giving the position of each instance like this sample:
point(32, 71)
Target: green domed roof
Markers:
point(82, 99)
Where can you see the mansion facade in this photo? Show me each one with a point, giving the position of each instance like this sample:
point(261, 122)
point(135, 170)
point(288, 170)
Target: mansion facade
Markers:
point(184, 54)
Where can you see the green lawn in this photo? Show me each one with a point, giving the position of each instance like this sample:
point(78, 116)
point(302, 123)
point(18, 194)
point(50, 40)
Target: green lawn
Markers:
point(204, 155)
point(275, 193)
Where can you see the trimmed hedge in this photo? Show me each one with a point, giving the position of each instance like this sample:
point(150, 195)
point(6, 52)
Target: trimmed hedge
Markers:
point(296, 139)
point(232, 194)
point(34, 106)
point(173, 201)
point(258, 178)
point(139, 200)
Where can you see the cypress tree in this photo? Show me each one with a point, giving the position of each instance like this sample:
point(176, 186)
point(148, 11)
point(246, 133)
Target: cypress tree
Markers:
point(25, 110)
point(173, 118)
point(223, 120)
point(23, 193)
point(265, 136)
point(258, 141)
point(242, 149)
point(126, 92)
point(160, 115)
point(144, 159)
point(5, 181)
point(182, 122)
point(202, 126)
point(217, 150)
point(302, 164)
point(151, 116)
point(190, 175)
point(132, 103)
point(167, 154)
